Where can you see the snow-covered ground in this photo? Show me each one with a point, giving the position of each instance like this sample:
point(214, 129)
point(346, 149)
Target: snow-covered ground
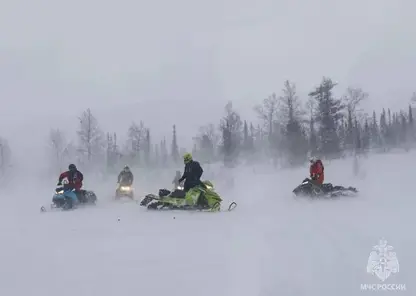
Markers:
point(271, 244)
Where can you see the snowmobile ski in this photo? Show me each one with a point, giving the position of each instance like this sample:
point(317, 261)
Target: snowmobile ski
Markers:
point(52, 208)
point(158, 206)
point(232, 206)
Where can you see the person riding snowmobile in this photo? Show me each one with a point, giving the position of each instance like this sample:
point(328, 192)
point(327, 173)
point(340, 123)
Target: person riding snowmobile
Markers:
point(316, 170)
point(192, 176)
point(125, 178)
point(192, 173)
point(75, 178)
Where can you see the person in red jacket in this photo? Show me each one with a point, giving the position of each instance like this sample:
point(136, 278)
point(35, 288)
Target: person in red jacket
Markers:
point(316, 170)
point(74, 178)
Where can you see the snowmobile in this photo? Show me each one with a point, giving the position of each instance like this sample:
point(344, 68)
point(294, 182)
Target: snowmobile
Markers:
point(65, 198)
point(202, 198)
point(309, 188)
point(124, 190)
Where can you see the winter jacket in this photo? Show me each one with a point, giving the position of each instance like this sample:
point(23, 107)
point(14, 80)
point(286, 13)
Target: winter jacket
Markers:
point(316, 171)
point(74, 178)
point(192, 175)
point(125, 178)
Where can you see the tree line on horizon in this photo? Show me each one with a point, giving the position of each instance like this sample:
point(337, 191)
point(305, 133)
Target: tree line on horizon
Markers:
point(289, 130)
point(285, 131)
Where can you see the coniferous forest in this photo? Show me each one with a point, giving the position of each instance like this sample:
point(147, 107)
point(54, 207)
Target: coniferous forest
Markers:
point(284, 131)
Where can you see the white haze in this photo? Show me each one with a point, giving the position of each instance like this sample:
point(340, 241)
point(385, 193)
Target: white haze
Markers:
point(182, 60)
point(271, 244)
point(179, 62)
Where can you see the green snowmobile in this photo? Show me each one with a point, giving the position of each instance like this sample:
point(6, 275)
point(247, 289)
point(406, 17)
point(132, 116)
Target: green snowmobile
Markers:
point(202, 198)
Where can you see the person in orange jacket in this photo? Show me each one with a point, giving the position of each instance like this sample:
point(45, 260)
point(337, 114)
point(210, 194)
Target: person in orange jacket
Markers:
point(316, 170)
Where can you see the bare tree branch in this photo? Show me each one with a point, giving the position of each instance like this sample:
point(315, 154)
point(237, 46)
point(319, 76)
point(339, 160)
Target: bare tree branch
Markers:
point(353, 98)
point(268, 111)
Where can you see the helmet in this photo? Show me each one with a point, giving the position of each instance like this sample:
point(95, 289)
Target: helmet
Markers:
point(313, 159)
point(72, 167)
point(187, 158)
point(126, 168)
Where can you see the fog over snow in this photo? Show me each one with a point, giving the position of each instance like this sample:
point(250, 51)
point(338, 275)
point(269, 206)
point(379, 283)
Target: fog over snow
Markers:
point(270, 244)
point(179, 62)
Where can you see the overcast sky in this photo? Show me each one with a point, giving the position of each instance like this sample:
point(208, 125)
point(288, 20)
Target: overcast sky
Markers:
point(180, 61)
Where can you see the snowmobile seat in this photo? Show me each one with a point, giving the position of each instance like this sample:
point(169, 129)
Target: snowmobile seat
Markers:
point(327, 187)
point(164, 192)
point(178, 193)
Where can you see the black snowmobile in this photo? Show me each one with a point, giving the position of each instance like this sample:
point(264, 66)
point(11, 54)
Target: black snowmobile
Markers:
point(309, 188)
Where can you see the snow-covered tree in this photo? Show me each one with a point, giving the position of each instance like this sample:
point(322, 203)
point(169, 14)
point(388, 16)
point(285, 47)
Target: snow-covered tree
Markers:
point(329, 112)
point(164, 152)
point(113, 151)
point(58, 147)
point(231, 127)
point(136, 137)
point(295, 141)
point(206, 143)
point(174, 147)
point(268, 112)
point(248, 139)
point(312, 136)
point(147, 145)
point(91, 137)
point(352, 100)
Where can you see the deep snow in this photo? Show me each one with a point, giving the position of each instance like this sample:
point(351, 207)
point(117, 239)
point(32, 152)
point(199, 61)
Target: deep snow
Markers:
point(272, 244)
